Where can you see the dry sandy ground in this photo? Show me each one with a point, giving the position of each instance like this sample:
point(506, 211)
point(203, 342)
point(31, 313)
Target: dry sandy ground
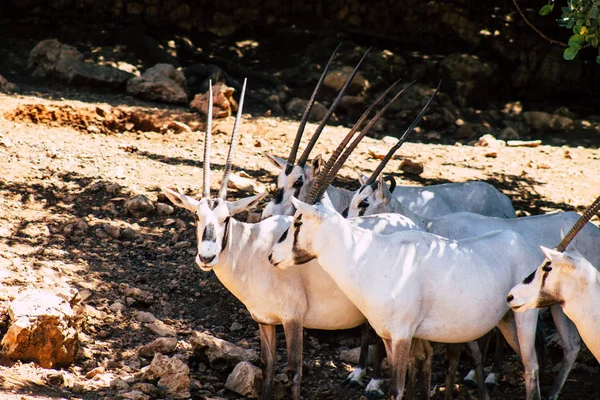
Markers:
point(52, 175)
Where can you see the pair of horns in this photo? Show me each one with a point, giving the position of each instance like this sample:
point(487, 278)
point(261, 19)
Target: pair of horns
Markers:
point(401, 141)
point(208, 139)
point(584, 219)
point(336, 161)
point(313, 140)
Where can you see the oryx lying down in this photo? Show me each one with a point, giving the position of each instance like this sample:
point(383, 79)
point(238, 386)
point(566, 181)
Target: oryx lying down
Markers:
point(568, 279)
point(414, 284)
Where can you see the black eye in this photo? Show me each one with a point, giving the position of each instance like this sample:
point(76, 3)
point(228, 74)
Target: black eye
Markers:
point(196, 217)
point(297, 224)
point(363, 204)
point(298, 184)
point(547, 267)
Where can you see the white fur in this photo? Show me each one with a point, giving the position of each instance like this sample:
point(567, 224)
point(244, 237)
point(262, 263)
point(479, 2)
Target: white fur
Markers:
point(415, 284)
point(573, 283)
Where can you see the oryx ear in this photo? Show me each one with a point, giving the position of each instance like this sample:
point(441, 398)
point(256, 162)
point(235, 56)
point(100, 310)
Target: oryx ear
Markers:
point(317, 164)
point(384, 190)
point(304, 208)
point(557, 257)
point(362, 178)
point(244, 204)
point(181, 200)
point(276, 161)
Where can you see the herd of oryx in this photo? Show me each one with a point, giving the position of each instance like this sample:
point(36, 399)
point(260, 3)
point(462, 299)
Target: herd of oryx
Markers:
point(443, 263)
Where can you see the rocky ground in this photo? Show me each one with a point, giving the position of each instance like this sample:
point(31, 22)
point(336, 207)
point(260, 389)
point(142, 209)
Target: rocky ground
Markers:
point(80, 205)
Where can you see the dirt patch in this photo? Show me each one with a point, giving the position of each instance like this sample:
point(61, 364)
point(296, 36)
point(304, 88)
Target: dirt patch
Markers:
point(103, 119)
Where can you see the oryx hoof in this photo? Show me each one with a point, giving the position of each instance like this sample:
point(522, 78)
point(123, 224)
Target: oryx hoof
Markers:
point(470, 383)
point(373, 394)
point(491, 385)
point(353, 383)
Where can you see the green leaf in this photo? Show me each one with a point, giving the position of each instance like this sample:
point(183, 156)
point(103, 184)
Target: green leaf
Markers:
point(547, 9)
point(598, 59)
point(594, 12)
point(575, 40)
point(570, 53)
point(595, 41)
point(577, 29)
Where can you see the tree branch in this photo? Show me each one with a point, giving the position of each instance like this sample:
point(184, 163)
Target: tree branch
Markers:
point(536, 29)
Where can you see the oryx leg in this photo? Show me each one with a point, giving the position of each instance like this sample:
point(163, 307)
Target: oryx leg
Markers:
point(571, 342)
point(425, 384)
point(452, 357)
point(354, 379)
point(491, 380)
point(373, 389)
point(293, 338)
point(470, 379)
point(526, 329)
point(474, 352)
point(268, 354)
point(398, 351)
point(415, 367)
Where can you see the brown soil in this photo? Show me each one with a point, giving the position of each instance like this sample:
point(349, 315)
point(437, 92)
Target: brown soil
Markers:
point(56, 170)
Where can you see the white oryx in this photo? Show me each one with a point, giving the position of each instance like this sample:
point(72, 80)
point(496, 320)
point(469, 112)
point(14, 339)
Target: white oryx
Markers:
point(568, 279)
point(237, 253)
point(296, 179)
point(414, 284)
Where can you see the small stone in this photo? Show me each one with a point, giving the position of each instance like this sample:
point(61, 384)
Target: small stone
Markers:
point(245, 379)
point(162, 82)
point(113, 231)
point(224, 104)
point(490, 141)
point(236, 326)
point(220, 354)
point(163, 345)
point(465, 131)
point(144, 316)
point(147, 388)
point(164, 209)
point(94, 372)
point(118, 384)
point(161, 329)
point(377, 153)
point(172, 373)
point(182, 244)
point(411, 167)
point(128, 234)
point(139, 205)
point(113, 188)
point(491, 154)
point(117, 307)
point(134, 395)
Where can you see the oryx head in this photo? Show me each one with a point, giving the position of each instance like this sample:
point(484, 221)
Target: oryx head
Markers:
point(212, 214)
point(371, 198)
point(297, 243)
point(296, 176)
point(561, 271)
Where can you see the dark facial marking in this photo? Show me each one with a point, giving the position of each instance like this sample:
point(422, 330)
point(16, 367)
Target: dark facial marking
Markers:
point(345, 212)
point(215, 204)
point(547, 267)
point(225, 234)
point(297, 186)
point(529, 278)
point(279, 196)
point(284, 236)
point(300, 256)
point(209, 234)
point(288, 169)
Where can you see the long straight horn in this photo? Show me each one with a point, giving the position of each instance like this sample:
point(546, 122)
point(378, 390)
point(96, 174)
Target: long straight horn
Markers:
point(584, 219)
point(402, 139)
point(326, 177)
point(207, 143)
point(236, 128)
point(315, 136)
point(292, 157)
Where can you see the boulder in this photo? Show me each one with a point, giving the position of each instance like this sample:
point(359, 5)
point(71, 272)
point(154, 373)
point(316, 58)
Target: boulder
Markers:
point(220, 354)
point(542, 121)
point(6, 86)
point(409, 166)
point(296, 107)
point(336, 79)
point(224, 104)
point(472, 77)
point(163, 345)
point(43, 328)
point(173, 375)
point(139, 205)
point(245, 379)
point(162, 83)
point(52, 58)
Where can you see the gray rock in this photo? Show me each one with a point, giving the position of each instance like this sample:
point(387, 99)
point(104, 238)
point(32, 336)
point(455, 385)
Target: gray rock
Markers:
point(139, 205)
point(543, 121)
point(336, 79)
point(163, 345)
point(161, 329)
point(164, 209)
point(52, 58)
point(219, 353)
point(245, 379)
point(6, 86)
point(473, 77)
point(296, 107)
point(162, 83)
